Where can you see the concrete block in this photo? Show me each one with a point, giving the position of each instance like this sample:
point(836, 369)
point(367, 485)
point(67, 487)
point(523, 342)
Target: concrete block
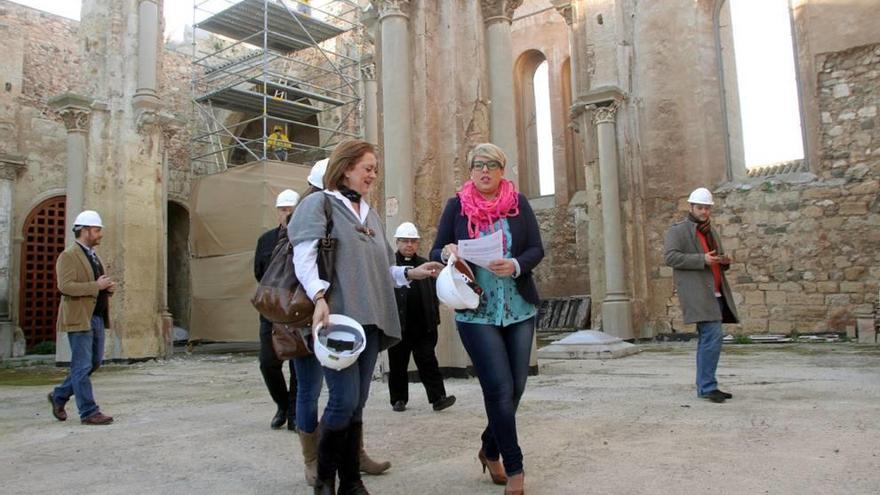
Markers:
point(866, 329)
point(6, 334)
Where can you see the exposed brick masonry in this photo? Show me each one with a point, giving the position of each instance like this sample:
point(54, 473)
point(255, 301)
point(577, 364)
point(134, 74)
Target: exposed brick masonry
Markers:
point(807, 246)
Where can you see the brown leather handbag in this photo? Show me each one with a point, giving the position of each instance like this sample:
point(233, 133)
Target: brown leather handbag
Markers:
point(280, 298)
point(288, 342)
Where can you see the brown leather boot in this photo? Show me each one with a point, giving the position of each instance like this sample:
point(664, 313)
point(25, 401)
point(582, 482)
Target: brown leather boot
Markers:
point(309, 444)
point(368, 465)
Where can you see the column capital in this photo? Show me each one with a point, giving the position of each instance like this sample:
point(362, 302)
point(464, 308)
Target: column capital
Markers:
point(74, 111)
point(390, 8)
point(498, 10)
point(597, 99)
point(368, 70)
point(11, 166)
point(604, 114)
point(565, 9)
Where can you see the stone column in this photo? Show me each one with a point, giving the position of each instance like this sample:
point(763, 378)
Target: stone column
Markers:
point(10, 167)
point(497, 15)
point(148, 40)
point(396, 71)
point(75, 111)
point(617, 306)
point(371, 103)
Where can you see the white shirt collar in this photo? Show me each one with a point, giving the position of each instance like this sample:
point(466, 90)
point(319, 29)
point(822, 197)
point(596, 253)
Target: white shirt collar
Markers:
point(364, 207)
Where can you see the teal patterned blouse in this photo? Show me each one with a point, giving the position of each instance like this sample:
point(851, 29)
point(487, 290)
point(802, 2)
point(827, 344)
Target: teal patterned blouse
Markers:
point(500, 304)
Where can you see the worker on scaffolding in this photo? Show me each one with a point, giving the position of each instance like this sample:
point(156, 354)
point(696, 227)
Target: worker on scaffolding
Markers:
point(278, 144)
point(302, 6)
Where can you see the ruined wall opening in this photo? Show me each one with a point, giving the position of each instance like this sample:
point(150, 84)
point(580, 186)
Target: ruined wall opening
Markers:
point(252, 135)
point(179, 292)
point(762, 101)
point(534, 133)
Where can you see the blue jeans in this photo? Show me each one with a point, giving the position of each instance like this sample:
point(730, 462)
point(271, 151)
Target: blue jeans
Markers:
point(501, 360)
point(86, 355)
point(708, 352)
point(349, 388)
point(309, 379)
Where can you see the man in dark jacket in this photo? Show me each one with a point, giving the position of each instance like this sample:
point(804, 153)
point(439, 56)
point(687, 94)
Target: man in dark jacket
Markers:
point(270, 365)
point(419, 317)
point(694, 251)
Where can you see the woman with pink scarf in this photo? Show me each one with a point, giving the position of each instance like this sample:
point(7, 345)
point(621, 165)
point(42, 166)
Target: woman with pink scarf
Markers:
point(498, 333)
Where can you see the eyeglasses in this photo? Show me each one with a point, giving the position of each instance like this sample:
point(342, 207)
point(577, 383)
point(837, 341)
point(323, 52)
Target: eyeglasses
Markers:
point(491, 165)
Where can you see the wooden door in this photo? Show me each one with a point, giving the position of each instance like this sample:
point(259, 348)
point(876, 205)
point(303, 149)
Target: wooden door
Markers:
point(39, 297)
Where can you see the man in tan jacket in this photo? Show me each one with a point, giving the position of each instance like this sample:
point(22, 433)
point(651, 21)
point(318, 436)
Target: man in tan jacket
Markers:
point(83, 315)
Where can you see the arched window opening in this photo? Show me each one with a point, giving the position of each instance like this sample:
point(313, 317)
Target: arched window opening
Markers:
point(541, 84)
point(763, 71)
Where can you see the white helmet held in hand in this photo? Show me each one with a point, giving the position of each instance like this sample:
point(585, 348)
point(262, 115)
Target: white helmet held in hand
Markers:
point(316, 175)
point(701, 196)
point(88, 218)
point(457, 287)
point(287, 197)
point(338, 345)
point(406, 230)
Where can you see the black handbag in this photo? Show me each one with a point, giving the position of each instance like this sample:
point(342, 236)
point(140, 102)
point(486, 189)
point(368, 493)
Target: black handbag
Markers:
point(279, 297)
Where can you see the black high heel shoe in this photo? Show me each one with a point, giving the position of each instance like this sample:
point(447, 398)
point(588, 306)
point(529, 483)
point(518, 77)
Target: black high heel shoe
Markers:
point(497, 478)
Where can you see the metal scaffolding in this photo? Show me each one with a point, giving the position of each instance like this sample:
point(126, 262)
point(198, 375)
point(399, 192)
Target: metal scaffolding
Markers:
point(260, 64)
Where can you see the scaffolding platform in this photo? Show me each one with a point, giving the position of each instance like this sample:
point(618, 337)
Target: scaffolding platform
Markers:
point(294, 93)
point(244, 100)
point(246, 20)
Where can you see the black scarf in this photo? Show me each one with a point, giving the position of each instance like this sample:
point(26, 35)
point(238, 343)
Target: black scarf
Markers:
point(705, 228)
point(351, 194)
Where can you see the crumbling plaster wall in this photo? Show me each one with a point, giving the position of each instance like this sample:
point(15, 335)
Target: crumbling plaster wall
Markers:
point(450, 107)
point(48, 55)
point(563, 216)
point(40, 59)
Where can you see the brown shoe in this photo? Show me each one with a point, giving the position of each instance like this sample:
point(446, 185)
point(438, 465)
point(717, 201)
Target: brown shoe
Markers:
point(98, 418)
point(57, 411)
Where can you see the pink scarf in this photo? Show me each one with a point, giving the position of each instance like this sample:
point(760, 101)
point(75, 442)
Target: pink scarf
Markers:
point(482, 213)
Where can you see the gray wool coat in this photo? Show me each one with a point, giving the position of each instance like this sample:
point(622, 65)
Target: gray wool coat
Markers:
point(693, 278)
point(362, 287)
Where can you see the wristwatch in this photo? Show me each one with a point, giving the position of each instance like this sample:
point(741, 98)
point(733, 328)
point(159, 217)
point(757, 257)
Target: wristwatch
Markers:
point(406, 272)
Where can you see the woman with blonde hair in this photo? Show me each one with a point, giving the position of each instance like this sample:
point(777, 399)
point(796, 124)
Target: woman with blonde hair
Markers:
point(498, 333)
point(362, 288)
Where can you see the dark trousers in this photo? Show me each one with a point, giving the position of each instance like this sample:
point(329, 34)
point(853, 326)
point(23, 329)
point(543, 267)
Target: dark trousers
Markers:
point(501, 360)
point(420, 344)
point(270, 367)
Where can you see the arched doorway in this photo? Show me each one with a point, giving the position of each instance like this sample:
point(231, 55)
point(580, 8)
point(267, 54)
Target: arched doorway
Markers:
point(43, 234)
point(178, 264)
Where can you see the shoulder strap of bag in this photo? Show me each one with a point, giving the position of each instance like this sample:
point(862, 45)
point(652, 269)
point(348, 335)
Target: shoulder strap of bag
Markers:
point(328, 213)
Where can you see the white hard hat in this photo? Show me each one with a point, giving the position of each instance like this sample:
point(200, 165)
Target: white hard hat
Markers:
point(456, 285)
point(88, 218)
point(288, 197)
point(338, 345)
point(316, 176)
point(406, 230)
point(701, 196)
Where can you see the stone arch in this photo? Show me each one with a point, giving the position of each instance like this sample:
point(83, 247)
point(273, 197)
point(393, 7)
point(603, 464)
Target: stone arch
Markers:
point(179, 292)
point(727, 77)
point(526, 129)
point(42, 241)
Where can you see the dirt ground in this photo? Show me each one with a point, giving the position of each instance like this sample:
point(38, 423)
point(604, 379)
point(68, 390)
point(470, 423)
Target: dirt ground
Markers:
point(804, 420)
